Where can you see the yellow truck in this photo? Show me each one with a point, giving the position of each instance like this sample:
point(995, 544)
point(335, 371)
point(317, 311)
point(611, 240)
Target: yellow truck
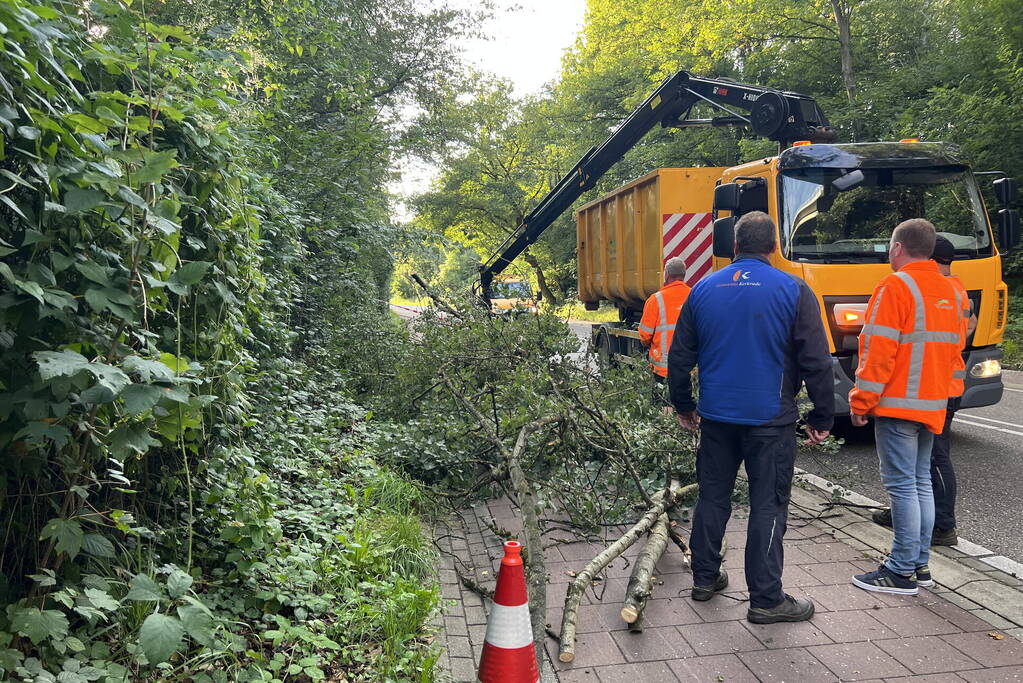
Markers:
point(834, 204)
point(512, 294)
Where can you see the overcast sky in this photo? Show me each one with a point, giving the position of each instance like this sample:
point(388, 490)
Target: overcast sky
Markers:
point(526, 41)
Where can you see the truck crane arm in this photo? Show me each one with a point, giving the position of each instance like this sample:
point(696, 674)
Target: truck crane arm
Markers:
point(776, 115)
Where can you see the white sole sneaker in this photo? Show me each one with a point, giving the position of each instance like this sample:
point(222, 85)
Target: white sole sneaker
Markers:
point(883, 589)
point(925, 584)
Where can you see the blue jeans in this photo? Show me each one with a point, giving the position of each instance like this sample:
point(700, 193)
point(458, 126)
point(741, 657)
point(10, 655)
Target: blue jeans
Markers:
point(904, 451)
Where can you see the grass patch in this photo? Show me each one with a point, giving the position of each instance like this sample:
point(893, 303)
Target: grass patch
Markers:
point(1013, 344)
point(575, 310)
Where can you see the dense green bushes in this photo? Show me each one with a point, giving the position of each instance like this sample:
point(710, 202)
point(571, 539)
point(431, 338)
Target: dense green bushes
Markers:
point(184, 494)
point(136, 269)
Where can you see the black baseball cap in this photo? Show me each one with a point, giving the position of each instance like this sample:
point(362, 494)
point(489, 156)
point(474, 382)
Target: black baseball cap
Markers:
point(944, 252)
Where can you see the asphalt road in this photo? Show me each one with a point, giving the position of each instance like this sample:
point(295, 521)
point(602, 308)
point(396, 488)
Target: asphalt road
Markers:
point(987, 451)
point(582, 330)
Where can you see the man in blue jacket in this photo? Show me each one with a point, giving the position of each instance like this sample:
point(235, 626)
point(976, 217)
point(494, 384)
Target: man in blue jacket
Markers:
point(756, 335)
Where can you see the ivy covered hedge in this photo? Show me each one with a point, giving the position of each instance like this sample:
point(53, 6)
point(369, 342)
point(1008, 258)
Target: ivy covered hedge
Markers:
point(181, 496)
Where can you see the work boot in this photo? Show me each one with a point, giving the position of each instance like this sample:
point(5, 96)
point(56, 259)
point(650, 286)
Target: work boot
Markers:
point(789, 609)
point(945, 536)
point(702, 593)
point(882, 517)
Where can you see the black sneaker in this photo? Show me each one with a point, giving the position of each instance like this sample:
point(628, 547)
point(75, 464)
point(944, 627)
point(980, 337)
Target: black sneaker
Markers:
point(882, 517)
point(789, 609)
point(923, 576)
point(701, 593)
point(884, 580)
point(945, 537)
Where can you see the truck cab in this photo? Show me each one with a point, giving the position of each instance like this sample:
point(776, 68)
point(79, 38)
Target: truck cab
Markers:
point(835, 206)
point(511, 294)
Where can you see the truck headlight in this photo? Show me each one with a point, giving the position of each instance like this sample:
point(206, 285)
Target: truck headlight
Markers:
point(850, 315)
point(986, 368)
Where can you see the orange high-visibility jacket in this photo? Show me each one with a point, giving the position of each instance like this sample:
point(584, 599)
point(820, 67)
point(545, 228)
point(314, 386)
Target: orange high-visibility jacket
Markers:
point(959, 372)
point(909, 346)
point(657, 327)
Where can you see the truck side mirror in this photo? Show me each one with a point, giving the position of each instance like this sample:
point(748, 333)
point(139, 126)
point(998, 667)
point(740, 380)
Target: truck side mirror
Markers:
point(1005, 190)
point(1008, 229)
point(726, 197)
point(724, 237)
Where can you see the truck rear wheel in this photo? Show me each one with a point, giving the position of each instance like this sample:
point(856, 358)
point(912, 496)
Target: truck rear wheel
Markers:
point(604, 347)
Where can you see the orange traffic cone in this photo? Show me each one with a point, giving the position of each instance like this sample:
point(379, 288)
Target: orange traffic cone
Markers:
point(508, 653)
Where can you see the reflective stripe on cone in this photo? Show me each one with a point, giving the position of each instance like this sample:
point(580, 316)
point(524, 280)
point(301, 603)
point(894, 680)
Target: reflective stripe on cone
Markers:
point(509, 655)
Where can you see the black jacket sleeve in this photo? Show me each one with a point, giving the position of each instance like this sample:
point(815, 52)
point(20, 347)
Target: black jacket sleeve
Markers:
point(682, 360)
point(813, 359)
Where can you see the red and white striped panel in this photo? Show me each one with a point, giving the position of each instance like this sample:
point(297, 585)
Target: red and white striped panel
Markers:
point(690, 236)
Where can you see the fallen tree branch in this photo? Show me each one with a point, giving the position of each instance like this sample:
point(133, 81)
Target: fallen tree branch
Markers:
point(437, 301)
point(566, 651)
point(642, 578)
point(680, 542)
point(525, 498)
point(536, 574)
point(473, 585)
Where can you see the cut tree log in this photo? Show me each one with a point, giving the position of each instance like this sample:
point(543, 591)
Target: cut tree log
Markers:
point(536, 575)
point(566, 650)
point(642, 578)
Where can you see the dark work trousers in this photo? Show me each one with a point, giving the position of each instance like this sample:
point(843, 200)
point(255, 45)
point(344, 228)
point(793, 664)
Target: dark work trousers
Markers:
point(770, 455)
point(943, 475)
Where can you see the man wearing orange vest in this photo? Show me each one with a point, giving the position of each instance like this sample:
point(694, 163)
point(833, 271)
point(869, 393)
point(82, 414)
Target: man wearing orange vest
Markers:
point(660, 313)
point(943, 474)
point(908, 351)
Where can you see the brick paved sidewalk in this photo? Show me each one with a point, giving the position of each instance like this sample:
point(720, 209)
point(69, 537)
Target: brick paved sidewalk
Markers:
point(855, 635)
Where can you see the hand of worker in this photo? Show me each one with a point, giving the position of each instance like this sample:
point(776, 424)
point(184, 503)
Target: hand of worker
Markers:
point(815, 436)
point(858, 420)
point(689, 421)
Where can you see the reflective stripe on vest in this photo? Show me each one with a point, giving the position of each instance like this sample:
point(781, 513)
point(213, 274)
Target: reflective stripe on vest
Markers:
point(959, 374)
point(866, 385)
point(916, 349)
point(913, 403)
point(662, 317)
point(939, 337)
point(882, 331)
point(644, 328)
point(870, 323)
point(896, 335)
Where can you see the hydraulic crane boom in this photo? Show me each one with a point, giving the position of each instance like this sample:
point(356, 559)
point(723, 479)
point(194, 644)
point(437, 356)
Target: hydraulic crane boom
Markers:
point(776, 115)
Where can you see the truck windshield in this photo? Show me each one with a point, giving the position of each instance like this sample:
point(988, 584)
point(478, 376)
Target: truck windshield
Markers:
point(823, 223)
point(510, 290)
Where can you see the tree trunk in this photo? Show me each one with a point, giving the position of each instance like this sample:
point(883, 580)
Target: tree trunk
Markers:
point(642, 578)
point(541, 280)
point(536, 574)
point(843, 20)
